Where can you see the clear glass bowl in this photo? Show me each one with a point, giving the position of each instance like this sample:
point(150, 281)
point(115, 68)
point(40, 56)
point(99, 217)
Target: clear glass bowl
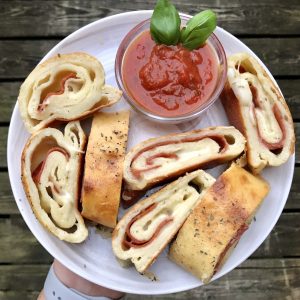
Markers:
point(222, 73)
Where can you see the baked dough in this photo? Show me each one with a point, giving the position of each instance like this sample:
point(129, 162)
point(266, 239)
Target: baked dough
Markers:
point(102, 182)
point(65, 87)
point(255, 106)
point(149, 225)
point(166, 157)
point(51, 163)
point(217, 222)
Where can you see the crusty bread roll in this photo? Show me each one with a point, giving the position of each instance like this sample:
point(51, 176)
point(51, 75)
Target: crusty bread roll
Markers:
point(255, 106)
point(102, 181)
point(51, 163)
point(166, 157)
point(65, 87)
point(217, 222)
point(149, 225)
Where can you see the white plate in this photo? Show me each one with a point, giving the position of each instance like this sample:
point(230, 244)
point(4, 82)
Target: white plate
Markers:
point(94, 259)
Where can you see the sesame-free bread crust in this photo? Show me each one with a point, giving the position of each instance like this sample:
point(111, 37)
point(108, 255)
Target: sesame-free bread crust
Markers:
point(103, 169)
point(214, 227)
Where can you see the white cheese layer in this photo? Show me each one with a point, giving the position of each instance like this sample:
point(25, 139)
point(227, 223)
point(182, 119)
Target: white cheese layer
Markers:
point(185, 152)
point(265, 120)
point(171, 208)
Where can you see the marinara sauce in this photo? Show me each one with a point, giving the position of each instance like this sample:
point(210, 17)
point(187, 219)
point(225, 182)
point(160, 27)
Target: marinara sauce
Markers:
point(169, 80)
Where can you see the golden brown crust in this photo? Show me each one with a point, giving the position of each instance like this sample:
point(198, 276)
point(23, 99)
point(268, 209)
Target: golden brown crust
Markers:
point(103, 172)
point(217, 222)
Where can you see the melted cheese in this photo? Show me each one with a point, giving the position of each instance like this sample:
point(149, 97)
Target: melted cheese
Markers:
point(268, 126)
point(264, 117)
point(145, 227)
point(240, 87)
point(59, 204)
point(186, 154)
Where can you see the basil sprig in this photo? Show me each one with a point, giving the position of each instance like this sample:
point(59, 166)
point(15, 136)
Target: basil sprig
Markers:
point(165, 26)
point(165, 23)
point(198, 29)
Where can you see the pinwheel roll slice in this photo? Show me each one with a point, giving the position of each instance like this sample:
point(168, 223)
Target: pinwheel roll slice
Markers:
point(162, 158)
point(51, 165)
point(65, 87)
point(256, 107)
point(149, 225)
point(217, 222)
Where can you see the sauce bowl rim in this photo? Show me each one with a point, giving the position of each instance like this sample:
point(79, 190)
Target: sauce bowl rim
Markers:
point(215, 44)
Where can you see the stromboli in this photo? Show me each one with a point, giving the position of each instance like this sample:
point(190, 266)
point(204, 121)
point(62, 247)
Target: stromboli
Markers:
point(65, 87)
point(217, 222)
point(165, 157)
point(149, 225)
point(51, 165)
point(255, 106)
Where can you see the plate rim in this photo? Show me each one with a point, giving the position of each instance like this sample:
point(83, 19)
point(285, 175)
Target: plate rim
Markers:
point(74, 267)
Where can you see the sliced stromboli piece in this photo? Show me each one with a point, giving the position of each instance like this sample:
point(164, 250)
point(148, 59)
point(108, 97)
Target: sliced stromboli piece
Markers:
point(217, 222)
point(160, 159)
point(149, 225)
point(65, 87)
point(256, 107)
point(51, 168)
point(102, 181)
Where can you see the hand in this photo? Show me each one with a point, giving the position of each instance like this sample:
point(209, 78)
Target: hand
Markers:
point(72, 280)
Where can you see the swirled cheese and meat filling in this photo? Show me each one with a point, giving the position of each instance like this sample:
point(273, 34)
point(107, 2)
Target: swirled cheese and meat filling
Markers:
point(255, 106)
point(149, 225)
point(65, 87)
point(51, 163)
point(163, 158)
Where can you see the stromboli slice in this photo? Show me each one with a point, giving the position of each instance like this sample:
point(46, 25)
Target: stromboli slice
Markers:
point(217, 222)
point(102, 180)
point(256, 107)
point(158, 159)
point(65, 87)
point(149, 225)
point(51, 163)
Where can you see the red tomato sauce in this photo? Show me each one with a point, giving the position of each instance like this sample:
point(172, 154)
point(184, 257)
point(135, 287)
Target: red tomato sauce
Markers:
point(169, 80)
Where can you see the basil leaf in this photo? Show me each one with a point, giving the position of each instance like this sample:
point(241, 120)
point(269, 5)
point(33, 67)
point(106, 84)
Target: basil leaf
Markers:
point(165, 23)
point(198, 29)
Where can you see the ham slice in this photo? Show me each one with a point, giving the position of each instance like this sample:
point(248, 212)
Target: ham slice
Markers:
point(130, 241)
